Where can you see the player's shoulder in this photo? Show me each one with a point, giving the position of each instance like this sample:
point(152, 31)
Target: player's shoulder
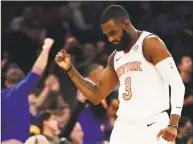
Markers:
point(111, 59)
point(155, 49)
point(153, 42)
point(152, 39)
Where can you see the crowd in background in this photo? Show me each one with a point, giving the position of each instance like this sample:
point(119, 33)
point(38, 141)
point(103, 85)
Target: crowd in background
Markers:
point(75, 27)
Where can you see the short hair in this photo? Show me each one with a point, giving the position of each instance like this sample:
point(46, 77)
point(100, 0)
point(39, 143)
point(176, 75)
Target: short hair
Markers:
point(114, 12)
point(38, 122)
point(14, 76)
point(36, 91)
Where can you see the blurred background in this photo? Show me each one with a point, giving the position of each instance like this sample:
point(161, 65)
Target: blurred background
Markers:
point(75, 26)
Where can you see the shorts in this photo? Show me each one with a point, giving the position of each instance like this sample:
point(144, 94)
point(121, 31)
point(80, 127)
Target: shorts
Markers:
point(140, 132)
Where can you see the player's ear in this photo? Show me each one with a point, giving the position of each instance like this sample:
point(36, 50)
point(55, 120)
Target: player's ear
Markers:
point(126, 23)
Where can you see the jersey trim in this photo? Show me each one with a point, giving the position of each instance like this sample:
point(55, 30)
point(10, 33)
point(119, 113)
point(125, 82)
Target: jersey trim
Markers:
point(143, 51)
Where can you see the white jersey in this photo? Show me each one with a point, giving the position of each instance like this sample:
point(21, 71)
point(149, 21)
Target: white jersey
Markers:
point(142, 91)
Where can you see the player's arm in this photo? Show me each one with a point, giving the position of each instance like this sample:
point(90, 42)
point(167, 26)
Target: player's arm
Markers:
point(105, 85)
point(94, 92)
point(164, 63)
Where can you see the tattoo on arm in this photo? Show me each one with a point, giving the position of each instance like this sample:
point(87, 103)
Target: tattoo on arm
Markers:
point(74, 74)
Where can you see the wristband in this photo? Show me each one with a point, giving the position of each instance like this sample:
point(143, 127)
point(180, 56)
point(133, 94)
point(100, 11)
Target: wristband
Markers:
point(172, 125)
point(69, 69)
point(37, 70)
point(46, 48)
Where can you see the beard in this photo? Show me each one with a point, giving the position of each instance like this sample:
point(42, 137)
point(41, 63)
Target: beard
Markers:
point(123, 44)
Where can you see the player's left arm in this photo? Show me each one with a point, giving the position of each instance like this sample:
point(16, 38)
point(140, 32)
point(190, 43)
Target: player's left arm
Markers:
point(161, 58)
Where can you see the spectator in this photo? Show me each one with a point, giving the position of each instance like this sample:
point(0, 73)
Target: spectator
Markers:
point(62, 115)
point(15, 106)
point(101, 57)
point(113, 104)
point(37, 99)
point(88, 55)
point(77, 134)
point(186, 68)
point(47, 126)
point(73, 130)
point(38, 139)
point(93, 116)
point(33, 108)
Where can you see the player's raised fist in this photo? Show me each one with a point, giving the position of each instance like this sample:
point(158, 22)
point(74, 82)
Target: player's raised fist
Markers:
point(63, 60)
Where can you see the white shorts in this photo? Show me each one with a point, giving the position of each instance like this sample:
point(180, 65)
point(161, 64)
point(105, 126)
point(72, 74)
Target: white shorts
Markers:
point(140, 132)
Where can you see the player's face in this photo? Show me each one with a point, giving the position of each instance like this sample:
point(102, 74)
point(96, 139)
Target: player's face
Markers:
point(118, 37)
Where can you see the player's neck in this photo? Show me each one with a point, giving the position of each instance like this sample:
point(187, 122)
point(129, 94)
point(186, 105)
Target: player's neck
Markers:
point(186, 76)
point(134, 33)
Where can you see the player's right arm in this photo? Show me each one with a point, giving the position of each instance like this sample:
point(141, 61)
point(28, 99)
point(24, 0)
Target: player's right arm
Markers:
point(94, 92)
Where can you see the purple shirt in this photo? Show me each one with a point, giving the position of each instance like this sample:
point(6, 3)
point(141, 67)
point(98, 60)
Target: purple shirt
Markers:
point(91, 126)
point(15, 109)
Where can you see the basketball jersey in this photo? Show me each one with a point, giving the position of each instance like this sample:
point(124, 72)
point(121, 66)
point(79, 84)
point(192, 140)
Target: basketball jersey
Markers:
point(142, 91)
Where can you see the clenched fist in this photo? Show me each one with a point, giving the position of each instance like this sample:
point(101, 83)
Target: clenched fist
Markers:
point(169, 134)
point(63, 59)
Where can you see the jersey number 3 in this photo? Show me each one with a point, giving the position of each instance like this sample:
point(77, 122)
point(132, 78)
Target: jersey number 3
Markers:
point(127, 95)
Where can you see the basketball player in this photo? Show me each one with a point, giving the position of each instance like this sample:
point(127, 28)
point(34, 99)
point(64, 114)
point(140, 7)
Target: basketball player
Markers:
point(144, 68)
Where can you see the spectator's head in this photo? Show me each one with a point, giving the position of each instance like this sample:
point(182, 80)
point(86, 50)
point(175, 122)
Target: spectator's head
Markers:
point(185, 127)
point(64, 12)
point(88, 50)
point(33, 29)
point(13, 77)
point(52, 82)
point(185, 64)
point(27, 12)
point(113, 104)
point(71, 45)
point(94, 71)
point(37, 139)
point(100, 46)
point(116, 25)
point(62, 116)
point(77, 134)
point(47, 124)
point(32, 98)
